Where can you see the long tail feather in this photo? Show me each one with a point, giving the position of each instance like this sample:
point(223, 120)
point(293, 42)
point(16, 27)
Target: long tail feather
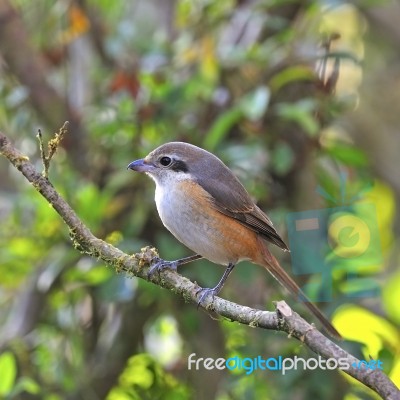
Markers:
point(275, 269)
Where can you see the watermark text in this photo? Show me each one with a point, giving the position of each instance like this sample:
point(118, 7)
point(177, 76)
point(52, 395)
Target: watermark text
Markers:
point(282, 364)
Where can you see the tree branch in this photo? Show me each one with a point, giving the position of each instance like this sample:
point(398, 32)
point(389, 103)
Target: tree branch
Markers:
point(283, 319)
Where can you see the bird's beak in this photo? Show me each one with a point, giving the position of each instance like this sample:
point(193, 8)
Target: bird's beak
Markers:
point(141, 166)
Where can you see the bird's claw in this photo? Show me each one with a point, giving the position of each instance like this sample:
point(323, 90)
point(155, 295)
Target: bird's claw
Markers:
point(158, 264)
point(203, 293)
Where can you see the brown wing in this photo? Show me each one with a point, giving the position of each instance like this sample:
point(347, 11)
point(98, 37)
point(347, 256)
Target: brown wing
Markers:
point(257, 221)
point(233, 200)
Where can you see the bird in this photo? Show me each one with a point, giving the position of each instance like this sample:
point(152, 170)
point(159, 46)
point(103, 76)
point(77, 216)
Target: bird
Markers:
point(205, 206)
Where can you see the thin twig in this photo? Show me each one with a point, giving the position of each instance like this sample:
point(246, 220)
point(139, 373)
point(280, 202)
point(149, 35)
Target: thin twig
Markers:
point(284, 319)
point(52, 147)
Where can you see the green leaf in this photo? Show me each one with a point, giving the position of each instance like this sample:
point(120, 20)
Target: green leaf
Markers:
point(282, 158)
point(361, 325)
point(26, 384)
point(254, 104)
point(8, 370)
point(221, 127)
point(348, 154)
point(292, 74)
point(301, 113)
point(391, 297)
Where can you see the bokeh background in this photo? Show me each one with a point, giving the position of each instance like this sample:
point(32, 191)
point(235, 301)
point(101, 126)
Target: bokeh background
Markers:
point(300, 98)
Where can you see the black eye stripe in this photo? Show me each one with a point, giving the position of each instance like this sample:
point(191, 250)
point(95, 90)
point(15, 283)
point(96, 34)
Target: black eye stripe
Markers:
point(175, 165)
point(179, 166)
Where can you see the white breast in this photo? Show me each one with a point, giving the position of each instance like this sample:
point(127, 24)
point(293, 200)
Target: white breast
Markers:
point(183, 217)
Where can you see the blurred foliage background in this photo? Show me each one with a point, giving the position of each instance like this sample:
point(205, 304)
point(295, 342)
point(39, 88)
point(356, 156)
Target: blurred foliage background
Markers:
point(299, 97)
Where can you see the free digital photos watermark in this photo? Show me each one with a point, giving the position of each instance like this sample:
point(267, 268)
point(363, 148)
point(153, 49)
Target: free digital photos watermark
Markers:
point(282, 364)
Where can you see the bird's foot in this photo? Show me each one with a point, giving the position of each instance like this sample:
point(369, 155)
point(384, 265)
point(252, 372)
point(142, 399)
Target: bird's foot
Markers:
point(204, 292)
point(158, 264)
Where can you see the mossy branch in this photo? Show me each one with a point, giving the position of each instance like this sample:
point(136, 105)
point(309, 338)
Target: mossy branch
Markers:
point(283, 319)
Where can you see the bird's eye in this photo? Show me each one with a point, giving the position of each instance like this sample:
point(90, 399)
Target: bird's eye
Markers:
point(165, 161)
